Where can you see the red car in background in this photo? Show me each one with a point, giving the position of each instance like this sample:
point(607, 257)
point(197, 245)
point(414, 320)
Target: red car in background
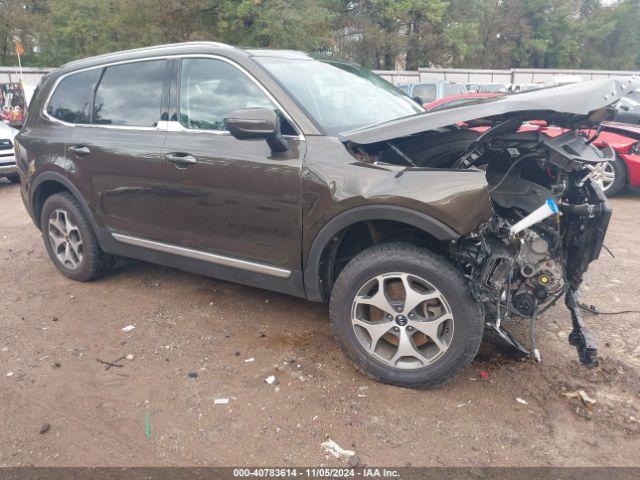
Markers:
point(624, 139)
point(458, 100)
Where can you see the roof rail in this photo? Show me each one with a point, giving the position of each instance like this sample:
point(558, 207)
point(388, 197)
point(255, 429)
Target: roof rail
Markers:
point(153, 47)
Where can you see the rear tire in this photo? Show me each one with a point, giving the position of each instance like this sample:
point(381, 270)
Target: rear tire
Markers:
point(14, 178)
point(421, 347)
point(69, 238)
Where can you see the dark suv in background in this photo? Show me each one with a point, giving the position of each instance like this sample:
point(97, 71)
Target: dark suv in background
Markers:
point(254, 166)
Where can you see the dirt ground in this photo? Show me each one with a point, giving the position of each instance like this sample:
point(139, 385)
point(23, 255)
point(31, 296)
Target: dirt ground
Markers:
point(53, 330)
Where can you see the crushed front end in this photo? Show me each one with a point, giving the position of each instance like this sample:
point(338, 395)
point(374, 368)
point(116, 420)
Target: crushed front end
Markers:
point(550, 215)
point(549, 223)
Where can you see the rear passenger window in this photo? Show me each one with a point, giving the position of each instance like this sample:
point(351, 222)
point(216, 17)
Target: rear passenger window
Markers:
point(130, 94)
point(71, 101)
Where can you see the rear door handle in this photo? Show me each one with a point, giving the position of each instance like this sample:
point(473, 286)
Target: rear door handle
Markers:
point(80, 150)
point(180, 159)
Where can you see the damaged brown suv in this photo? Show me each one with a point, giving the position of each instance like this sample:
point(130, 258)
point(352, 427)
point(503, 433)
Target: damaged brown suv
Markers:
point(261, 167)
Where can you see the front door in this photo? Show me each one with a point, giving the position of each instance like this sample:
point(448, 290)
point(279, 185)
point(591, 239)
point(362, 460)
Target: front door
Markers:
point(229, 197)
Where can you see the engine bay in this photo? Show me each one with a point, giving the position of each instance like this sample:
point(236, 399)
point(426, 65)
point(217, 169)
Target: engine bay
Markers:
point(549, 219)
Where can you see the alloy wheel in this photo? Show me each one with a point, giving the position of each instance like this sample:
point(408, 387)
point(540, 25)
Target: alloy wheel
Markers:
point(402, 320)
point(604, 174)
point(65, 238)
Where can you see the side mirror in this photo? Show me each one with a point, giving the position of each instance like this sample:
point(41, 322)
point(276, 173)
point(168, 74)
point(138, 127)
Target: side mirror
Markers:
point(257, 123)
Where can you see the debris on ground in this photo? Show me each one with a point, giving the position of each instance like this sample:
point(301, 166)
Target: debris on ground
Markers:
point(45, 428)
point(192, 374)
point(522, 401)
point(249, 360)
point(348, 456)
point(484, 375)
point(582, 395)
point(128, 328)
point(112, 363)
point(56, 365)
point(130, 356)
point(221, 401)
point(271, 379)
point(147, 425)
point(10, 374)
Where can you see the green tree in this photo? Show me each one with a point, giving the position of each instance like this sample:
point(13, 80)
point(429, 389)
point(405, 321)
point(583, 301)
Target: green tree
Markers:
point(384, 34)
point(19, 20)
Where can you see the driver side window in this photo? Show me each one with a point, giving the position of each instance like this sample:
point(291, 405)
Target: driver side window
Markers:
point(211, 89)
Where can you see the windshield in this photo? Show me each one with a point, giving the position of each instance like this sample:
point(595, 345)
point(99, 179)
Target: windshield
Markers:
point(340, 96)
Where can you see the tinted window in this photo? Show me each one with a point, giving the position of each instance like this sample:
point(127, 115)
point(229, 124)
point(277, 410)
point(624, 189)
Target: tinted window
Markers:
point(130, 94)
point(427, 93)
point(71, 100)
point(211, 89)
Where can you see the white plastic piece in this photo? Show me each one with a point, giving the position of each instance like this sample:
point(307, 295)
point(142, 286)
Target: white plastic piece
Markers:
point(536, 355)
point(544, 211)
point(331, 447)
point(221, 401)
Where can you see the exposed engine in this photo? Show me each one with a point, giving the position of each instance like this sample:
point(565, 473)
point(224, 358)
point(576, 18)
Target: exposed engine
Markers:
point(549, 219)
point(549, 223)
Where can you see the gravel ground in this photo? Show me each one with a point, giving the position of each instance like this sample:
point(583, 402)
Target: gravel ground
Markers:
point(230, 338)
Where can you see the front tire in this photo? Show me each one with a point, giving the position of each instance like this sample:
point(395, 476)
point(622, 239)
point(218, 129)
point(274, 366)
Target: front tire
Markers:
point(70, 241)
point(405, 316)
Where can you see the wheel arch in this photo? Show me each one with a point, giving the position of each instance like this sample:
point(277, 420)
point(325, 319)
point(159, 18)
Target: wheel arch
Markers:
point(627, 173)
point(50, 183)
point(316, 275)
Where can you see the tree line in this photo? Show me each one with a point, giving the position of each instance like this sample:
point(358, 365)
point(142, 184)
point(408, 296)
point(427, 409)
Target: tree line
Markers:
point(379, 34)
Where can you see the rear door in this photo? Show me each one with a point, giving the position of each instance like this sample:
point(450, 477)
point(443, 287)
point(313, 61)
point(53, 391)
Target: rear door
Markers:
point(230, 197)
point(119, 153)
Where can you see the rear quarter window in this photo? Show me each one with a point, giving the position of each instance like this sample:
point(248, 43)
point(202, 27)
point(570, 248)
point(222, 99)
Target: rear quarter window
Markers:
point(71, 100)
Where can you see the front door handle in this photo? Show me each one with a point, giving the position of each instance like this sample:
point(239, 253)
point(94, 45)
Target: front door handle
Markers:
point(80, 150)
point(180, 159)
